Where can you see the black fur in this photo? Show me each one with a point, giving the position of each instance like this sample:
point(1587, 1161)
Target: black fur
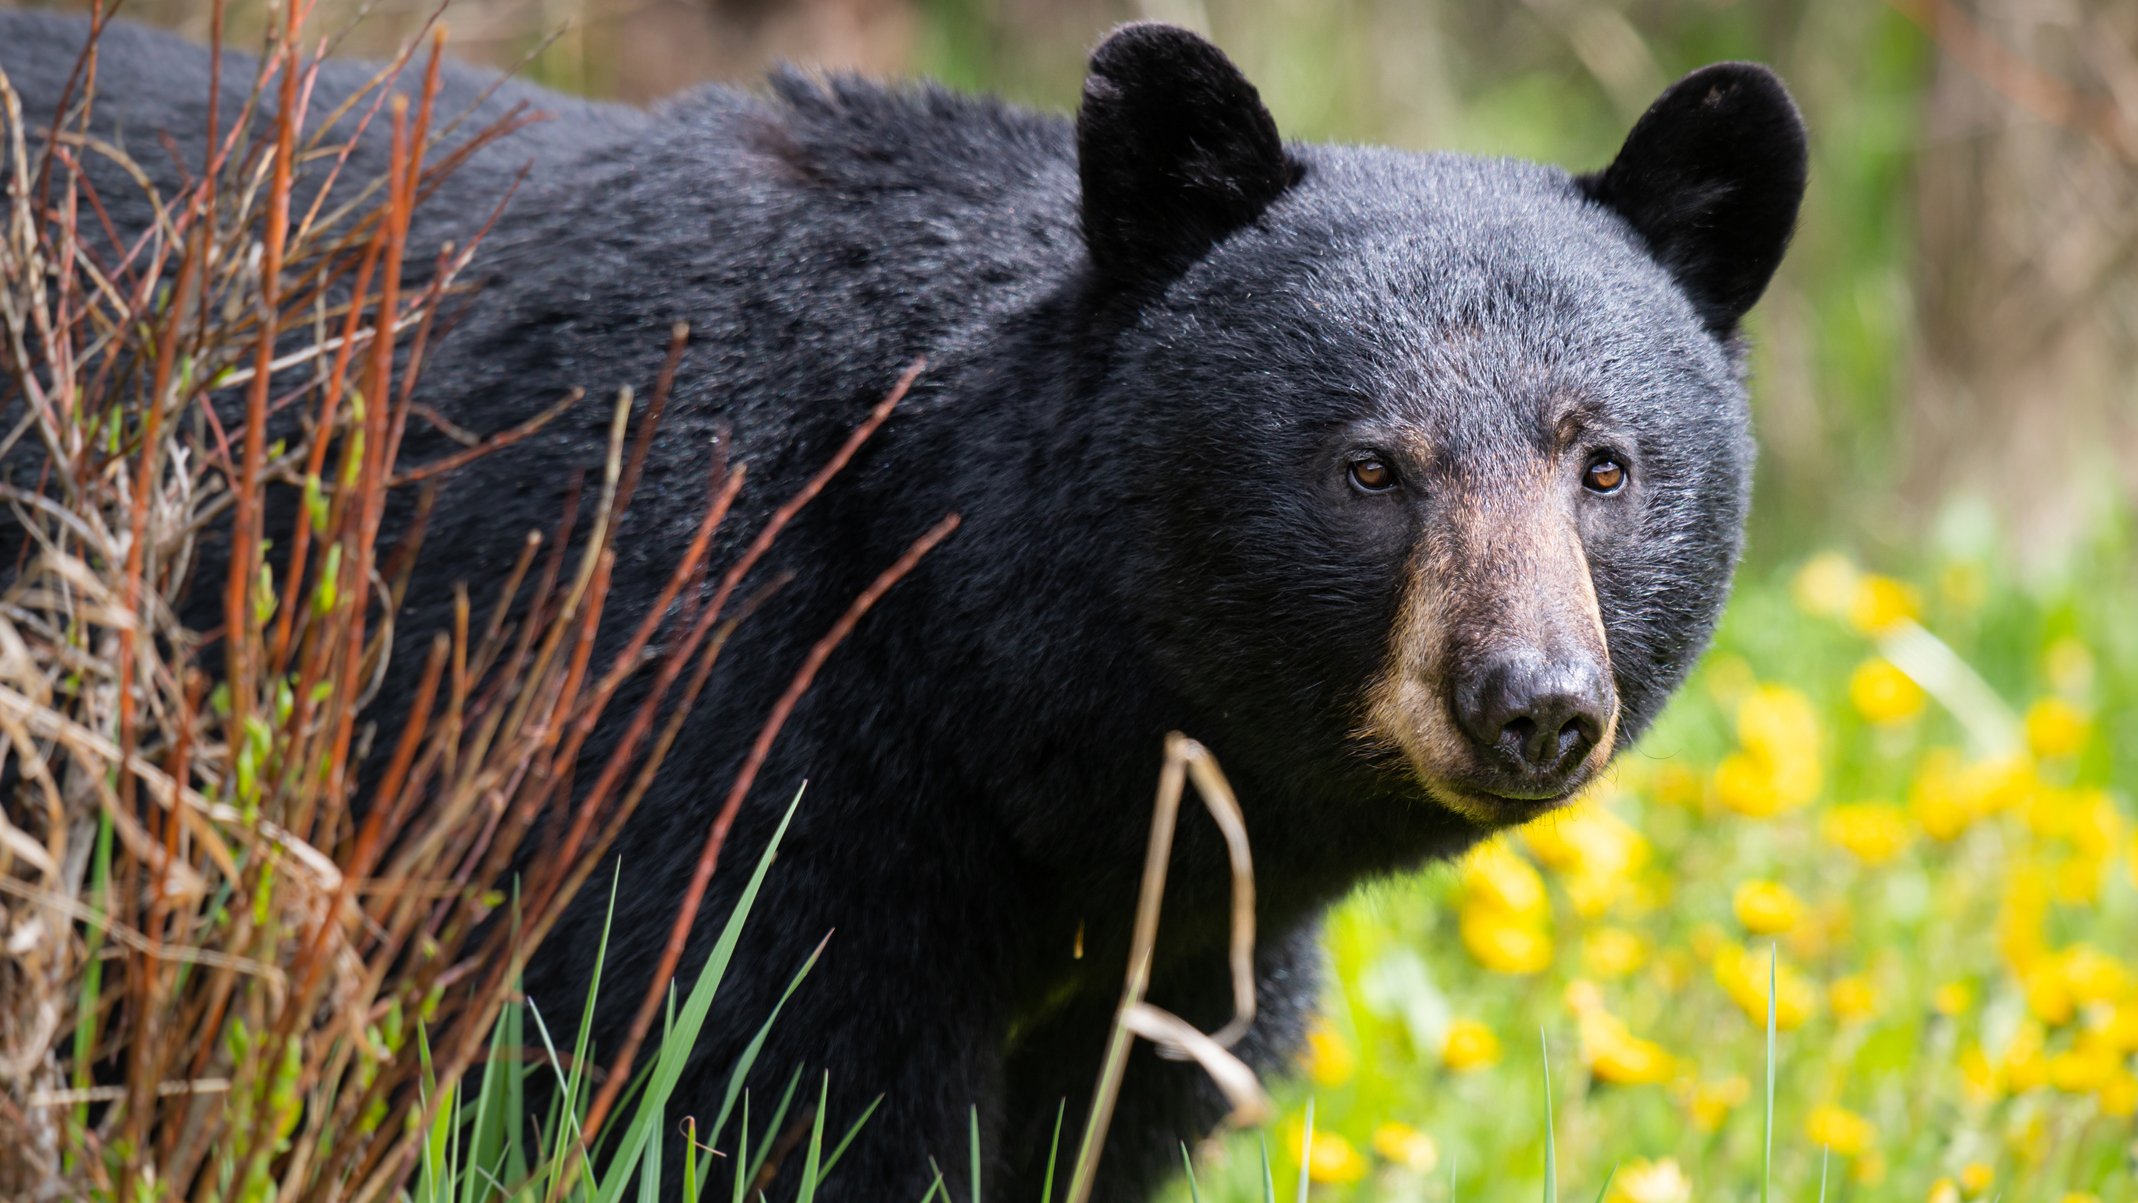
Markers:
point(1711, 176)
point(1151, 340)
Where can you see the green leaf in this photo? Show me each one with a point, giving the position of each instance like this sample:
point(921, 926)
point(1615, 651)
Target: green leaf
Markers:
point(1551, 1154)
point(757, 1044)
point(811, 1162)
point(848, 1139)
point(676, 1051)
point(1054, 1148)
point(974, 1185)
point(1187, 1163)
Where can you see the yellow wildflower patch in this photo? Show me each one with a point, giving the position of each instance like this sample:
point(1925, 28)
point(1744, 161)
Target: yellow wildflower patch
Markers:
point(2055, 727)
point(1854, 999)
point(1643, 1181)
point(1880, 604)
point(1872, 832)
point(1767, 907)
point(1743, 974)
point(1328, 1057)
point(1469, 1046)
point(1883, 693)
point(1839, 1129)
point(1403, 1145)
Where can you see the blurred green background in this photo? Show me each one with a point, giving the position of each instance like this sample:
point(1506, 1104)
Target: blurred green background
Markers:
point(1940, 853)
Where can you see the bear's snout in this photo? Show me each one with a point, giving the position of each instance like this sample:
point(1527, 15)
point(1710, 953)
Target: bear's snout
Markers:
point(1534, 718)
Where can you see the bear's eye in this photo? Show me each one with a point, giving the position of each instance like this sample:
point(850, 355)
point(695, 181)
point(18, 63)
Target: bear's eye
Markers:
point(1372, 476)
point(1605, 476)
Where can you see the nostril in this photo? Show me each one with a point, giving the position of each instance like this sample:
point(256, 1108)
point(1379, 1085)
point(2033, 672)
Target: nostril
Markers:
point(1536, 718)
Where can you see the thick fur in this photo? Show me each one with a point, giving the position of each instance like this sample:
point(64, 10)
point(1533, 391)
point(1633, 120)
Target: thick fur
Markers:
point(1156, 339)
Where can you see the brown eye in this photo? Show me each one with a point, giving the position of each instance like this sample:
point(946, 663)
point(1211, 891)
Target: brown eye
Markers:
point(1372, 476)
point(1605, 476)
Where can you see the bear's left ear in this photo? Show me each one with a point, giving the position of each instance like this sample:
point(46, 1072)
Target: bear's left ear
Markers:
point(1711, 176)
point(1174, 151)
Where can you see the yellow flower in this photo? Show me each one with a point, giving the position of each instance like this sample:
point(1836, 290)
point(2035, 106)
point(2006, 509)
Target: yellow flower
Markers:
point(1328, 1057)
point(1952, 998)
point(1779, 768)
point(2019, 920)
point(1744, 975)
point(1616, 1055)
point(1494, 876)
point(1853, 999)
point(1826, 585)
point(1470, 1045)
point(2080, 1196)
point(1978, 1077)
point(2024, 1066)
point(1331, 1159)
point(1406, 1146)
point(1502, 943)
point(2093, 976)
point(1505, 914)
point(1944, 1190)
point(1643, 1181)
point(1767, 907)
point(1840, 1129)
point(2078, 1072)
point(1879, 604)
point(2118, 1096)
point(2055, 727)
point(1709, 1103)
point(1597, 851)
point(1612, 952)
point(1883, 693)
point(1975, 1177)
point(1872, 832)
point(2048, 994)
point(1950, 794)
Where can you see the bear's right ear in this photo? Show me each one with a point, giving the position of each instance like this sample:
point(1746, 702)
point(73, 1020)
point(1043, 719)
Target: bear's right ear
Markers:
point(1174, 151)
point(1711, 176)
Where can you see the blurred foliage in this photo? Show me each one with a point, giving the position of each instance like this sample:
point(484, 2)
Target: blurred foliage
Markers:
point(1955, 907)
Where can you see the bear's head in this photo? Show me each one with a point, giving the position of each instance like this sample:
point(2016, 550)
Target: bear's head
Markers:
point(1440, 461)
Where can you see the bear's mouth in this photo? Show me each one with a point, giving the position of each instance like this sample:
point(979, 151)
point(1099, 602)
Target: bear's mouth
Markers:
point(1496, 810)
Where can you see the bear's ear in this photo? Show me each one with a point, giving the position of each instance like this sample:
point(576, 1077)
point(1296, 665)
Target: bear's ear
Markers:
point(1711, 176)
point(1174, 151)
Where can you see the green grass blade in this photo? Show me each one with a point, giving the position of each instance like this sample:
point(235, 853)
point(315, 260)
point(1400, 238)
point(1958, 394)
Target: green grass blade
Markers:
point(1054, 1148)
point(1195, 1193)
point(649, 1172)
point(1766, 1165)
point(1269, 1180)
point(1825, 1151)
point(742, 1141)
point(1306, 1151)
point(690, 1160)
point(743, 1063)
point(1452, 1160)
point(647, 1118)
point(812, 1162)
point(973, 1113)
point(851, 1133)
point(1608, 1179)
point(936, 1185)
point(779, 1116)
point(1551, 1153)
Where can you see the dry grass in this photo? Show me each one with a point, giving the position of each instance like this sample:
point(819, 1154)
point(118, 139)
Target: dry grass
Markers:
point(220, 944)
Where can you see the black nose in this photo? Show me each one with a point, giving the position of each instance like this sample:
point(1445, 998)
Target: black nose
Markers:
point(1535, 717)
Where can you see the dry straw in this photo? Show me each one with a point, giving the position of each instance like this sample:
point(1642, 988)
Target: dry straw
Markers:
point(220, 946)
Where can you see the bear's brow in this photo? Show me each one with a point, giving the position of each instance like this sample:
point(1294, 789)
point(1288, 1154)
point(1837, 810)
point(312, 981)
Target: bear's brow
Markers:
point(1579, 413)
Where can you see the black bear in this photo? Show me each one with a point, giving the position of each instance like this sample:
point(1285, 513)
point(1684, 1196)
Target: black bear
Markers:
point(1410, 484)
